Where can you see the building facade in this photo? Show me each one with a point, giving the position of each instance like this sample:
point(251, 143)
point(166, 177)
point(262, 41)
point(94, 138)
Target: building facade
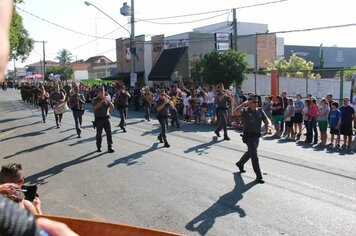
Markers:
point(253, 39)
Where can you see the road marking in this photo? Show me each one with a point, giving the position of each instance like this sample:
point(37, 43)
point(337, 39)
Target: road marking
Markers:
point(7, 133)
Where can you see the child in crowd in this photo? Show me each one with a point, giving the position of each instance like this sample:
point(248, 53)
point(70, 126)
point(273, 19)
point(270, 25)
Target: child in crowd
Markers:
point(313, 114)
point(298, 116)
point(305, 112)
point(334, 124)
point(277, 115)
point(323, 114)
point(288, 115)
point(187, 107)
point(266, 107)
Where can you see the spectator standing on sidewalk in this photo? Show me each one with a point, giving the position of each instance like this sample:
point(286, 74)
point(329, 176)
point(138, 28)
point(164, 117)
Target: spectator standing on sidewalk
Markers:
point(334, 124)
point(323, 114)
point(347, 117)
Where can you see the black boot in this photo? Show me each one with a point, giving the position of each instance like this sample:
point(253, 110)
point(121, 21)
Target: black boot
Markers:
point(166, 143)
point(160, 139)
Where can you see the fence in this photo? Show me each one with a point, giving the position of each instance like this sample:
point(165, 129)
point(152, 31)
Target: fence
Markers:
point(261, 84)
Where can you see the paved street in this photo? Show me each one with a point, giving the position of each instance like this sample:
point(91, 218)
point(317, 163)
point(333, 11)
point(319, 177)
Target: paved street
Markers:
point(192, 188)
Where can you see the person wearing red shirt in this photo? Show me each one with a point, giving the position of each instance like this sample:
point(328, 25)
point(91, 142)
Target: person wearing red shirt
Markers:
point(311, 127)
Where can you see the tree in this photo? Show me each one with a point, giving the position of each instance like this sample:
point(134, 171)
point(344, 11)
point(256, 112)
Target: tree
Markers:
point(64, 57)
point(225, 68)
point(296, 67)
point(347, 73)
point(64, 69)
point(21, 44)
point(66, 72)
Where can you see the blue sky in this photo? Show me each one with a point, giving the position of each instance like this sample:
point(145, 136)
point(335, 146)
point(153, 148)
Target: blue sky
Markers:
point(74, 14)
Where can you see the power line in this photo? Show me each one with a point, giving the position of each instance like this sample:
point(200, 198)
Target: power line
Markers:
point(63, 27)
point(89, 42)
point(308, 29)
point(184, 22)
point(209, 12)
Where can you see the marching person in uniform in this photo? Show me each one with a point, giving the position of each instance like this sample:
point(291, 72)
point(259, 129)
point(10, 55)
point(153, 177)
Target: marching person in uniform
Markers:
point(102, 109)
point(252, 118)
point(147, 99)
point(222, 99)
point(121, 102)
point(76, 102)
point(57, 98)
point(43, 102)
point(163, 105)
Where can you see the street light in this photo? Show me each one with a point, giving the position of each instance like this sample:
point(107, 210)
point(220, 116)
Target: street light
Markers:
point(125, 10)
point(90, 4)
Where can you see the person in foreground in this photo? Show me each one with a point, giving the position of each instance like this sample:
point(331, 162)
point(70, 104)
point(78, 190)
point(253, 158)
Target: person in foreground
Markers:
point(163, 105)
point(252, 117)
point(102, 109)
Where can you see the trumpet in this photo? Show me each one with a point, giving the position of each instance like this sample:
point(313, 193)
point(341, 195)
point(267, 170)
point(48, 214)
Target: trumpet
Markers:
point(170, 102)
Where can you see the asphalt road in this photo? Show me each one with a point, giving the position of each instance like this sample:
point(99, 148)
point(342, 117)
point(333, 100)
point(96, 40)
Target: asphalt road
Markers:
point(192, 188)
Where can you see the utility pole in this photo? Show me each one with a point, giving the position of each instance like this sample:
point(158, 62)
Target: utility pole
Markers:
point(234, 27)
point(132, 40)
point(14, 69)
point(44, 56)
point(126, 10)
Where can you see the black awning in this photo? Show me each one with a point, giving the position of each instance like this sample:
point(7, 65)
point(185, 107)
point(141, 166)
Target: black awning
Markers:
point(166, 64)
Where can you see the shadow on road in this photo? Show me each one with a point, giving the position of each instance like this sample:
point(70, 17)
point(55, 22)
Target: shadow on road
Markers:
point(155, 131)
point(14, 119)
point(132, 159)
point(42, 146)
point(80, 141)
point(20, 126)
point(225, 205)
point(204, 147)
point(39, 178)
point(30, 134)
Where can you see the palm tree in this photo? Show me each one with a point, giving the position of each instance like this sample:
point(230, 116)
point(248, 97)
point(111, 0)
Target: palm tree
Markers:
point(64, 56)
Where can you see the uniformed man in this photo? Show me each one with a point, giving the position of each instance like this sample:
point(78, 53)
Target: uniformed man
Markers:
point(57, 98)
point(163, 105)
point(76, 102)
point(252, 118)
point(222, 99)
point(121, 102)
point(147, 99)
point(102, 109)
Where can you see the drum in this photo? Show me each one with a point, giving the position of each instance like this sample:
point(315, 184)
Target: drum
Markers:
point(60, 108)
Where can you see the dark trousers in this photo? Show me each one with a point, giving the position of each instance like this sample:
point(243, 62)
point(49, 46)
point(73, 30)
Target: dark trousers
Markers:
point(174, 117)
point(58, 118)
point(222, 122)
point(252, 145)
point(100, 125)
point(137, 103)
point(311, 127)
point(44, 110)
point(77, 115)
point(123, 113)
point(281, 128)
point(163, 122)
point(147, 110)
